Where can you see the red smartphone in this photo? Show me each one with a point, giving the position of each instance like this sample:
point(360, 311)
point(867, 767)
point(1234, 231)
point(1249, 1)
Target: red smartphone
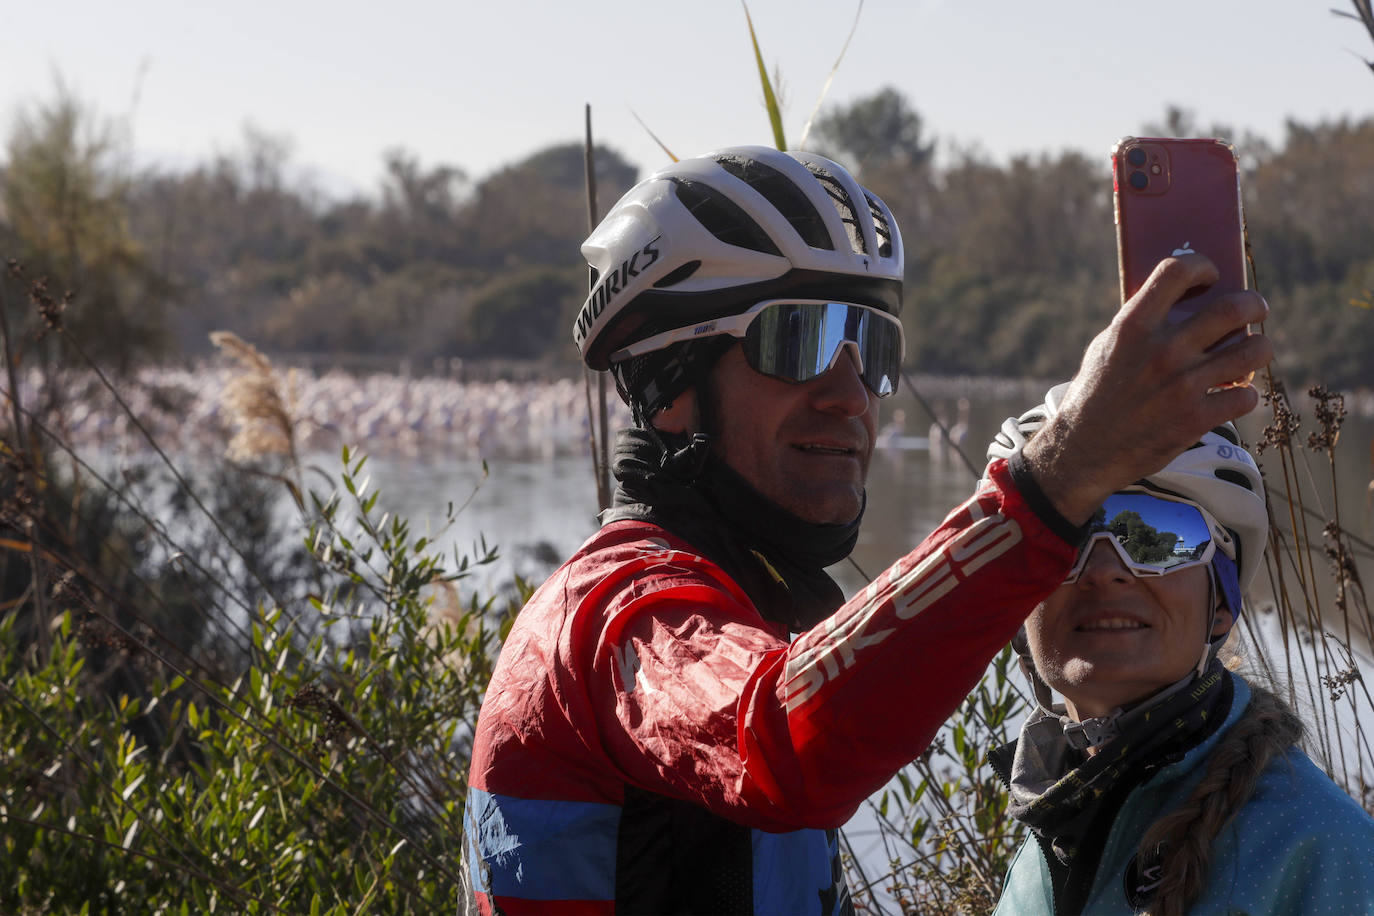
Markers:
point(1174, 196)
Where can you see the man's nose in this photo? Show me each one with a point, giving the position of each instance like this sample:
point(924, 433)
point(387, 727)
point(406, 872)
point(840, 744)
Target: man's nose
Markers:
point(841, 387)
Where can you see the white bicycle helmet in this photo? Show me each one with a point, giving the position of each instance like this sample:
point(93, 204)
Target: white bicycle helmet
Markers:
point(1217, 473)
point(710, 236)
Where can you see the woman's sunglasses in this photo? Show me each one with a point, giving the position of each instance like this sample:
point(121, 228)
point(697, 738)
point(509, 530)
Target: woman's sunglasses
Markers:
point(1152, 533)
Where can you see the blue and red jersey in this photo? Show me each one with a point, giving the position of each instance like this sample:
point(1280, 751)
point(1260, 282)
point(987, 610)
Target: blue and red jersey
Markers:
point(651, 742)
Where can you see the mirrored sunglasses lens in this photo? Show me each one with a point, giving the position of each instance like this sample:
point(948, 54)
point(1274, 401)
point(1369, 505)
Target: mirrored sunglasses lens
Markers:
point(787, 341)
point(881, 349)
point(1154, 532)
point(800, 341)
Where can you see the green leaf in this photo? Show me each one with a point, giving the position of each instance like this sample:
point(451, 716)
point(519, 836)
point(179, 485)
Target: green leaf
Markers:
point(132, 787)
point(770, 100)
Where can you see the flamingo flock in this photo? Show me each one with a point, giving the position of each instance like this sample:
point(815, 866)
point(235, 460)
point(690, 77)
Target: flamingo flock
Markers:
point(183, 410)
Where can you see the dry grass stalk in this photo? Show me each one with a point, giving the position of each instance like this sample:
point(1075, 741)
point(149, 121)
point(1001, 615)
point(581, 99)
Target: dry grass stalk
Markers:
point(260, 406)
point(1338, 734)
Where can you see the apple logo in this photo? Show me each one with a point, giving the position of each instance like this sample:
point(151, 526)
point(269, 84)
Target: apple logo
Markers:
point(1186, 249)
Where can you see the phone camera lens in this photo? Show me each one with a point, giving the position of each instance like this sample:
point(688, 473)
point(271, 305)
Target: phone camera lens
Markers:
point(1139, 180)
point(1135, 156)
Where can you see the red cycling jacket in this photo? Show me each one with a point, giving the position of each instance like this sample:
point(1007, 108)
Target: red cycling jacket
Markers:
point(640, 670)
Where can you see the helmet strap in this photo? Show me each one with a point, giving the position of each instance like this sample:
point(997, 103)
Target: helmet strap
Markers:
point(1044, 697)
point(651, 382)
point(1210, 646)
point(1217, 596)
point(689, 368)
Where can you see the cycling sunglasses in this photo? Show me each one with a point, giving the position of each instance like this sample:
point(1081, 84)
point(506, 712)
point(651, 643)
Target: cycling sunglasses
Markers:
point(1152, 533)
point(798, 339)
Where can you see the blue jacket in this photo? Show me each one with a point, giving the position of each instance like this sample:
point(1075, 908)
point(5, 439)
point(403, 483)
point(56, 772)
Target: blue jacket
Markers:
point(1300, 845)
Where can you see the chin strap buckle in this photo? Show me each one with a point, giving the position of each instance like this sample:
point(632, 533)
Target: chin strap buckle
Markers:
point(1093, 732)
point(688, 461)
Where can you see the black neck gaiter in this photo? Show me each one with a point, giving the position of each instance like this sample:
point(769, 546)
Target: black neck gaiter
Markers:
point(1058, 792)
point(777, 558)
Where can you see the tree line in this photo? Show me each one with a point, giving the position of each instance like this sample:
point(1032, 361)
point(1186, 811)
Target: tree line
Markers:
point(1011, 264)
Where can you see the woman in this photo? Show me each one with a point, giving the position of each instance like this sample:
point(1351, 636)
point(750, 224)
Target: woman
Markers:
point(1164, 783)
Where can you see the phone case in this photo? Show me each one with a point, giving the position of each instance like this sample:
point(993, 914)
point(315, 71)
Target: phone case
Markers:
point(1174, 196)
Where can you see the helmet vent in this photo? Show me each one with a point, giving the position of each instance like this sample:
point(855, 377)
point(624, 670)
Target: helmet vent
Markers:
point(1228, 432)
point(881, 227)
point(722, 217)
point(783, 194)
point(844, 206)
point(1234, 477)
point(677, 275)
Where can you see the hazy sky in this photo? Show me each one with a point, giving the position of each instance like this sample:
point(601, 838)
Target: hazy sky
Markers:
point(479, 85)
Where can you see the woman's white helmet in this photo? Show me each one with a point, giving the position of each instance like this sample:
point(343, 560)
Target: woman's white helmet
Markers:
point(1217, 473)
point(712, 235)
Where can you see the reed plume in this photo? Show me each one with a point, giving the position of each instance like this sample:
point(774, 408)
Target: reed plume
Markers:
point(261, 407)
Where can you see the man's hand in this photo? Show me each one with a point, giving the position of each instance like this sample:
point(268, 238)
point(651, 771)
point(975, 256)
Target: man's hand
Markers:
point(1148, 389)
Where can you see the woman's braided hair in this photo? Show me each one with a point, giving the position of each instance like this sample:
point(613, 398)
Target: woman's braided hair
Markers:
point(1266, 730)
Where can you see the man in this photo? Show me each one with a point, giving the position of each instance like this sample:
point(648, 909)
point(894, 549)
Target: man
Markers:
point(651, 741)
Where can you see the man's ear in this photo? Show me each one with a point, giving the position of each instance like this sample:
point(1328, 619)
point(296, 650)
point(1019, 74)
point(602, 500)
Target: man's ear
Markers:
point(680, 416)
